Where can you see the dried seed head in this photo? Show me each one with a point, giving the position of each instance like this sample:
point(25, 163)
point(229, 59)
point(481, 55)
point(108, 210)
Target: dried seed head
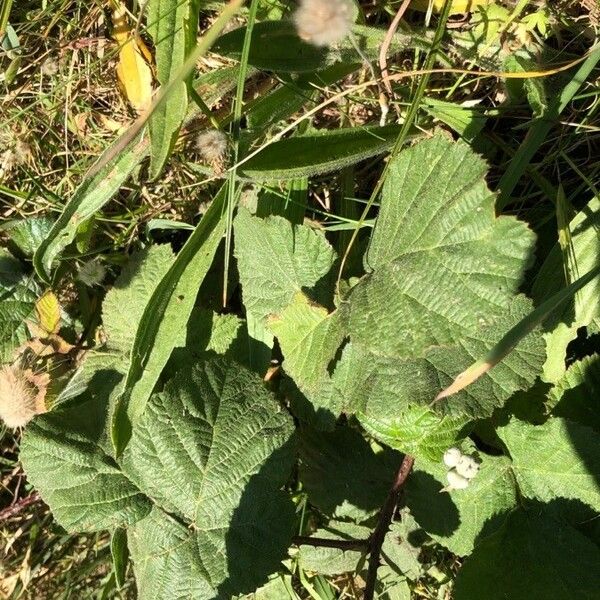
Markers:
point(92, 273)
point(467, 467)
point(22, 395)
point(456, 481)
point(212, 145)
point(323, 22)
point(49, 67)
point(452, 456)
point(18, 154)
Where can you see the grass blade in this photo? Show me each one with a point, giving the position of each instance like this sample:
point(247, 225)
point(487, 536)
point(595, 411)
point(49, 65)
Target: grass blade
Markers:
point(540, 129)
point(515, 335)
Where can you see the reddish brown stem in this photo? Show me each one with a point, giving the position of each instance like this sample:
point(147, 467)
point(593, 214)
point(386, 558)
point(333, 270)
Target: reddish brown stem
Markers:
point(383, 524)
point(16, 507)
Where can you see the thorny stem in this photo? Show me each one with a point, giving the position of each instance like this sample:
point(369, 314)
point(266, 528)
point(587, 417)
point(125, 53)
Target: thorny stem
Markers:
point(18, 506)
point(373, 545)
point(383, 524)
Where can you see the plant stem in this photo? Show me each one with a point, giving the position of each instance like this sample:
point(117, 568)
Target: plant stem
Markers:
point(307, 540)
point(18, 506)
point(383, 524)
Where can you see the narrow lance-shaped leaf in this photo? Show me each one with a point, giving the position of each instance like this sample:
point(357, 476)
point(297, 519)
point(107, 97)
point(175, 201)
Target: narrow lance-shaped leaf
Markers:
point(172, 25)
point(162, 326)
point(308, 155)
point(97, 188)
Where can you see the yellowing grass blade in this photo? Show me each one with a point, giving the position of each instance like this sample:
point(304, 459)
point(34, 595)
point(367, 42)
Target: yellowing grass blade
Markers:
point(133, 69)
point(456, 6)
point(514, 336)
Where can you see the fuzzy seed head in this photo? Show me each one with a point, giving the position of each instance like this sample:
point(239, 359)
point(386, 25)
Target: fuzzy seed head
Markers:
point(323, 22)
point(456, 481)
point(49, 67)
point(92, 273)
point(467, 467)
point(452, 456)
point(212, 145)
point(22, 395)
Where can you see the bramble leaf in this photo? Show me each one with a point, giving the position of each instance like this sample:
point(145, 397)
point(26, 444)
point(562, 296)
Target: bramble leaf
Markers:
point(559, 459)
point(456, 519)
point(576, 395)
point(531, 556)
point(345, 489)
point(201, 478)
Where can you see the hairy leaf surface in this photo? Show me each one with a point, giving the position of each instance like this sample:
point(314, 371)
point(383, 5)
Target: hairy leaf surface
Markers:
point(559, 459)
point(456, 519)
point(532, 556)
point(276, 260)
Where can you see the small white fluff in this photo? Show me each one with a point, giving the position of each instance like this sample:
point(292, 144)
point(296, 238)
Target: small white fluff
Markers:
point(456, 481)
point(92, 273)
point(323, 22)
point(212, 145)
point(467, 467)
point(452, 456)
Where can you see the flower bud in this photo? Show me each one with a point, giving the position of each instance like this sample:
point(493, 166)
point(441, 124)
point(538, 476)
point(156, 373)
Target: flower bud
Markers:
point(452, 456)
point(467, 467)
point(456, 481)
point(22, 395)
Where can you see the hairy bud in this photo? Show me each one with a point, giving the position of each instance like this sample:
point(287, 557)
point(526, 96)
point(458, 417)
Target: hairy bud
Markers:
point(212, 145)
point(22, 395)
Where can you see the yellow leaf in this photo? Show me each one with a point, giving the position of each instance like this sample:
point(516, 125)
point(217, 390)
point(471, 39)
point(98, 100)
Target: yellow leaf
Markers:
point(48, 312)
point(133, 70)
point(458, 6)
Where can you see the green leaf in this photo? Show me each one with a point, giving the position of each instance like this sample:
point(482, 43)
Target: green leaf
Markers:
point(342, 488)
point(391, 586)
point(276, 260)
point(556, 273)
point(329, 150)
point(441, 292)
point(99, 380)
point(81, 484)
point(417, 431)
point(214, 448)
point(133, 289)
point(28, 234)
point(466, 121)
point(438, 225)
point(532, 556)
point(402, 546)
point(576, 395)
point(277, 47)
point(289, 99)
point(333, 561)
point(91, 195)
point(120, 555)
point(172, 26)
point(18, 294)
point(559, 459)
point(162, 326)
point(309, 338)
point(456, 519)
